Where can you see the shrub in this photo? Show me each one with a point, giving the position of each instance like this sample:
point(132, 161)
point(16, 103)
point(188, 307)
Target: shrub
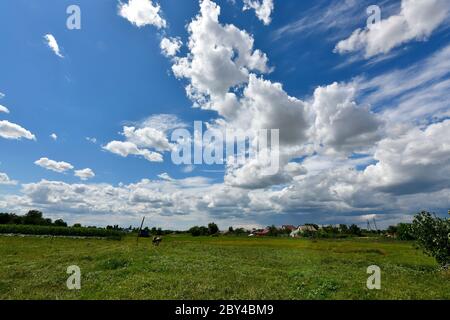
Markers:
point(355, 230)
point(59, 231)
point(199, 231)
point(60, 223)
point(433, 236)
point(240, 231)
point(195, 231)
point(392, 230)
point(405, 232)
point(273, 231)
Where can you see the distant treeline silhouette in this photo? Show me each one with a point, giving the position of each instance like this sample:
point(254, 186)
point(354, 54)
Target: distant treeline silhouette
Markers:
point(33, 217)
point(34, 223)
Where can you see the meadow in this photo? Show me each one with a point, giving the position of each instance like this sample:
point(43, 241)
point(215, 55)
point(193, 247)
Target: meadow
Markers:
point(185, 267)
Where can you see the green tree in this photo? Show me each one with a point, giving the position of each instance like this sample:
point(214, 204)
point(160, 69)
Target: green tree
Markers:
point(343, 228)
point(392, 230)
point(195, 231)
point(355, 230)
point(60, 223)
point(34, 217)
point(240, 231)
point(212, 228)
point(7, 218)
point(273, 231)
point(405, 232)
point(433, 236)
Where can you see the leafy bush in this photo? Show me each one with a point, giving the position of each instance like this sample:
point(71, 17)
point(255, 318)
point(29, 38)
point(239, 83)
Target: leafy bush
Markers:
point(60, 223)
point(237, 231)
point(355, 230)
point(273, 231)
point(59, 231)
point(392, 230)
point(405, 232)
point(197, 231)
point(433, 236)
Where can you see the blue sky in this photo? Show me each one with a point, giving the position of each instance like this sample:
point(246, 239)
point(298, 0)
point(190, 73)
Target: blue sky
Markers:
point(355, 105)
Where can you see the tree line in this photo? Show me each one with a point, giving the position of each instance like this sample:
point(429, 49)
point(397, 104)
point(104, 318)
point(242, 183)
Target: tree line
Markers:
point(33, 217)
point(430, 232)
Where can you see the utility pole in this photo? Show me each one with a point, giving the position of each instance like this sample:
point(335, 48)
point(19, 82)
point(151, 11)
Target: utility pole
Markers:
point(375, 224)
point(140, 229)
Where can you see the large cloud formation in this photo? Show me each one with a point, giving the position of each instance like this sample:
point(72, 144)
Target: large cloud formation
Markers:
point(339, 159)
point(340, 124)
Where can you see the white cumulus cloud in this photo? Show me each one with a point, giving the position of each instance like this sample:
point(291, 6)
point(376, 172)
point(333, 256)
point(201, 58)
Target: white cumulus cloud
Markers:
point(54, 165)
point(340, 124)
point(142, 13)
point(170, 46)
point(147, 138)
point(220, 59)
point(263, 9)
point(4, 109)
point(13, 131)
point(5, 180)
point(85, 174)
point(126, 148)
point(418, 160)
point(416, 20)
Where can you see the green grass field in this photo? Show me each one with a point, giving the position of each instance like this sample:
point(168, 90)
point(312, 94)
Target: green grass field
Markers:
point(184, 267)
